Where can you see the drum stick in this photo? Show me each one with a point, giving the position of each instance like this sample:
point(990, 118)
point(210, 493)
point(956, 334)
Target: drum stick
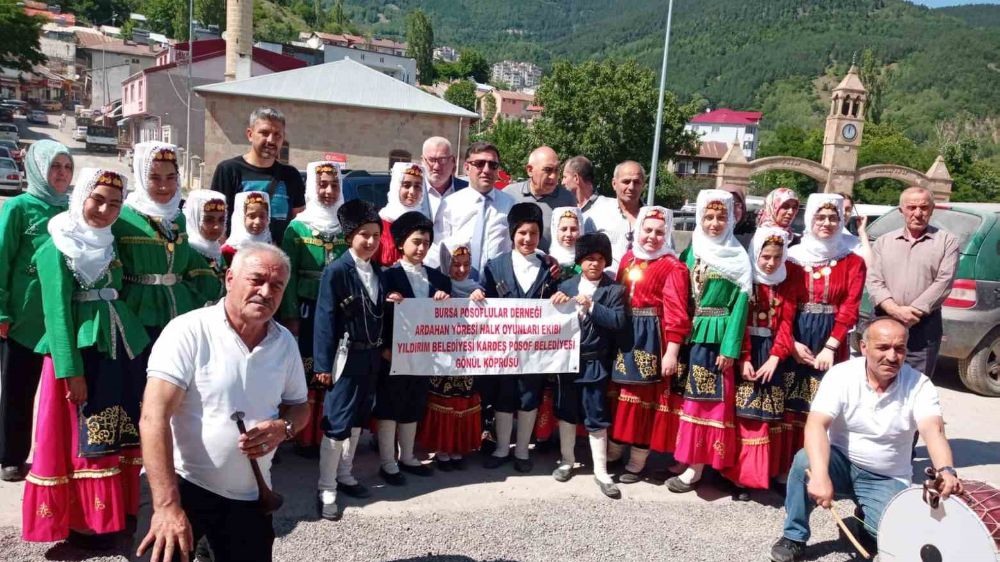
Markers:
point(840, 523)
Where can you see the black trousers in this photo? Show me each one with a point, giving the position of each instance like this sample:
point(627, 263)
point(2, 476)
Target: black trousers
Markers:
point(18, 385)
point(236, 530)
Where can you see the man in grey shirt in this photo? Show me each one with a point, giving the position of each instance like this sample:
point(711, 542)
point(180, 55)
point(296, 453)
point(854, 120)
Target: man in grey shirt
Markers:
point(910, 275)
point(542, 188)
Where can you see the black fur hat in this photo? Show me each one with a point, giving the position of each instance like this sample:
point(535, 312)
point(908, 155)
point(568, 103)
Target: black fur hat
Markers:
point(356, 213)
point(407, 224)
point(522, 213)
point(594, 243)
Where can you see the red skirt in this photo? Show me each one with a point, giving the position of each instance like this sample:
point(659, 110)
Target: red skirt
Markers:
point(65, 491)
point(451, 424)
point(635, 412)
point(666, 422)
point(312, 434)
point(706, 433)
point(546, 423)
point(755, 455)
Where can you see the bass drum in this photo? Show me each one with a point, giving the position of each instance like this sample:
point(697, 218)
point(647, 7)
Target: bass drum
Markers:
point(963, 528)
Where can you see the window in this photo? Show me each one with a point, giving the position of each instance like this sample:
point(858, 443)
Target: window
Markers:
point(399, 156)
point(682, 168)
point(715, 128)
point(747, 145)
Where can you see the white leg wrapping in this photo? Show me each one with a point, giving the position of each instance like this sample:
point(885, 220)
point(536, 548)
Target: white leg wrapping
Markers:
point(567, 440)
point(387, 446)
point(525, 425)
point(599, 453)
point(407, 438)
point(615, 450)
point(503, 422)
point(330, 452)
point(637, 459)
point(692, 474)
point(345, 470)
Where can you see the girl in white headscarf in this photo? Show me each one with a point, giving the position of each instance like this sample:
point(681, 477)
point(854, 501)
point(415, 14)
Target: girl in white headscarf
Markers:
point(205, 214)
point(656, 285)
point(829, 293)
point(721, 281)
point(153, 243)
point(452, 426)
point(406, 193)
point(312, 240)
point(566, 227)
point(250, 222)
point(92, 379)
point(760, 396)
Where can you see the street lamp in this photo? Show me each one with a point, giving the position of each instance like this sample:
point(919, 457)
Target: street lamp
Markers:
point(659, 110)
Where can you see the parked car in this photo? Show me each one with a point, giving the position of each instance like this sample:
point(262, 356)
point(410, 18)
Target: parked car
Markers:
point(17, 105)
point(80, 133)
point(38, 116)
point(6, 114)
point(9, 131)
point(15, 152)
point(10, 176)
point(370, 186)
point(971, 313)
point(52, 105)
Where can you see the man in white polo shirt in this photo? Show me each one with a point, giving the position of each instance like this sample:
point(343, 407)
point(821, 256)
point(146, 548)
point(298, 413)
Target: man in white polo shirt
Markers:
point(206, 365)
point(858, 437)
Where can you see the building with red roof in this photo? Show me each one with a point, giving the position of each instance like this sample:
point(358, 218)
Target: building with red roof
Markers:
point(718, 129)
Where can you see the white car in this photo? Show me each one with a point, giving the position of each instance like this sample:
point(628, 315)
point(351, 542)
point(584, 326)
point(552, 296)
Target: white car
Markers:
point(9, 131)
point(37, 116)
point(80, 133)
point(10, 176)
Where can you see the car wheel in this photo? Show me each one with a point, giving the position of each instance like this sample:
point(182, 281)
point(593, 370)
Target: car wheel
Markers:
point(980, 372)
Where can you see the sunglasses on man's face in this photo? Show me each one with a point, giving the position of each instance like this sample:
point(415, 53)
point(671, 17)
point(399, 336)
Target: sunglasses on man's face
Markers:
point(480, 164)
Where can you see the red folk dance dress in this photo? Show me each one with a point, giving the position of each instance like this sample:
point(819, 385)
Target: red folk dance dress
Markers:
point(387, 254)
point(761, 454)
point(657, 292)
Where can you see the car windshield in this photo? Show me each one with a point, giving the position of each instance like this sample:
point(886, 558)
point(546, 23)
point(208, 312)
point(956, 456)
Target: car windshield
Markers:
point(7, 164)
point(962, 225)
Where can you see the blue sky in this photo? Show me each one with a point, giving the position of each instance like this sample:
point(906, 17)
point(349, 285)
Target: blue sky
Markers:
point(940, 3)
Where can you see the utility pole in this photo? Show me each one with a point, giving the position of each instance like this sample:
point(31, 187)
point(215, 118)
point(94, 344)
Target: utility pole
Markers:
point(659, 110)
point(187, 128)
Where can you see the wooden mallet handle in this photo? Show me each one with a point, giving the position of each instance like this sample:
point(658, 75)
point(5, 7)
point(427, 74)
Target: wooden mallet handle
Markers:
point(268, 500)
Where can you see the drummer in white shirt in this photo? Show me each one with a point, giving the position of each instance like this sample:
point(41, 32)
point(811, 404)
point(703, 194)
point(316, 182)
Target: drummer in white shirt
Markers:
point(859, 435)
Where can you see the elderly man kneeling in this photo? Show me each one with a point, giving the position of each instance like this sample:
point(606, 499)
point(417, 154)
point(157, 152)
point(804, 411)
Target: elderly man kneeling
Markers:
point(859, 434)
point(206, 365)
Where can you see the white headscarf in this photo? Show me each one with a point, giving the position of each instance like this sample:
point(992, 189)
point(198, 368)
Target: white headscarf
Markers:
point(238, 234)
point(448, 248)
point(88, 250)
point(760, 237)
point(317, 216)
point(565, 256)
point(668, 243)
point(394, 207)
point(145, 154)
point(812, 250)
point(194, 212)
point(724, 252)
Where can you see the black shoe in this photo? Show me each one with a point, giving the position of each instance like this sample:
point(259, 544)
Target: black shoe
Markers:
point(391, 479)
point(610, 489)
point(629, 477)
point(677, 486)
point(419, 469)
point(355, 491)
point(563, 473)
point(13, 473)
point(329, 511)
point(457, 464)
point(787, 550)
point(495, 462)
point(741, 494)
point(523, 465)
point(444, 466)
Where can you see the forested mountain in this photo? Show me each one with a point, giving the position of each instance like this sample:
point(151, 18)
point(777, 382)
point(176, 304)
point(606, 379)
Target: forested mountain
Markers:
point(976, 15)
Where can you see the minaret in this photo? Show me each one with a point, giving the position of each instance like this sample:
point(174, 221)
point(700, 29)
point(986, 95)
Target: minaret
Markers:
point(842, 137)
point(239, 39)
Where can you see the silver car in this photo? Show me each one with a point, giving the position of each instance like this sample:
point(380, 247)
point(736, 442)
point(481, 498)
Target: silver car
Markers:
point(10, 176)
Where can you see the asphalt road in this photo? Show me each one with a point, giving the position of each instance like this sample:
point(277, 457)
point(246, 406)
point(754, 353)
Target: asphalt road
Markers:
point(502, 515)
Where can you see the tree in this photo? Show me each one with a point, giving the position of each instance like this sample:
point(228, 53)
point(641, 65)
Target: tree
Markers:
point(607, 111)
point(884, 144)
point(515, 141)
point(420, 39)
point(462, 94)
point(211, 12)
point(789, 140)
point(338, 15)
point(20, 48)
point(876, 80)
point(472, 64)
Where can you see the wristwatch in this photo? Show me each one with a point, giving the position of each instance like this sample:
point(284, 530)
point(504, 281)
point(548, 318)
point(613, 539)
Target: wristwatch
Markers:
point(949, 470)
point(289, 429)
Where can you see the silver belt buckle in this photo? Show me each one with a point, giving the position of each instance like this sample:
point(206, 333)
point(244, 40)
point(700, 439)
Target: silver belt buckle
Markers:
point(107, 294)
point(167, 279)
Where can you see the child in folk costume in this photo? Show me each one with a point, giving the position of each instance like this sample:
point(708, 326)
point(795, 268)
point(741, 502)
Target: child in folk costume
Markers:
point(205, 214)
point(721, 281)
point(829, 292)
point(347, 350)
point(406, 193)
point(400, 399)
point(250, 222)
point(519, 274)
point(84, 479)
point(760, 397)
point(48, 167)
point(312, 240)
point(582, 397)
point(151, 239)
point(656, 285)
point(453, 417)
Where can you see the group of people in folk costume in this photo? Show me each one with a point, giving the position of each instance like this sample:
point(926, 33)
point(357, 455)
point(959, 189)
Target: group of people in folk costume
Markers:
point(712, 355)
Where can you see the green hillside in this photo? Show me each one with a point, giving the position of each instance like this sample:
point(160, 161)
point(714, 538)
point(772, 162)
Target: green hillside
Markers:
point(976, 15)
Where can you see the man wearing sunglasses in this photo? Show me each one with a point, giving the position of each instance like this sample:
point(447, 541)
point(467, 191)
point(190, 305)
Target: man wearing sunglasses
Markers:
point(542, 188)
point(478, 214)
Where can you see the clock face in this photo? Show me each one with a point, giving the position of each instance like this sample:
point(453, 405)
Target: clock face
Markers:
point(849, 131)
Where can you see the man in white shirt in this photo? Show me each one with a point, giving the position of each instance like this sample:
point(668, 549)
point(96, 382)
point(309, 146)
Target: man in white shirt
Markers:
point(440, 180)
point(578, 179)
point(205, 366)
point(858, 437)
point(478, 214)
point(616, 217)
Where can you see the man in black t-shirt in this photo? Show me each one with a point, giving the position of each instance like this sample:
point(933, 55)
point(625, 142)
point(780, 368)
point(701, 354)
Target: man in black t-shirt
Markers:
point(259, 170)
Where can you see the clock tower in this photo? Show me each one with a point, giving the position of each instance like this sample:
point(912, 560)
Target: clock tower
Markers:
point(842, 137)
